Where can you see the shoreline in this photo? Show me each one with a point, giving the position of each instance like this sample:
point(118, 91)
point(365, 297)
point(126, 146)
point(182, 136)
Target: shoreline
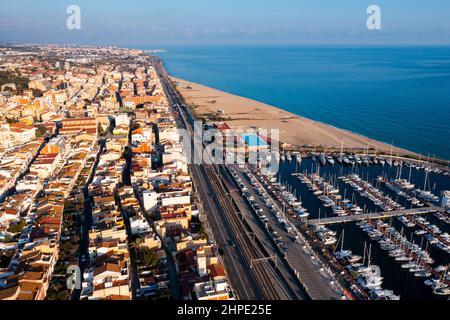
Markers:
point(296, 131)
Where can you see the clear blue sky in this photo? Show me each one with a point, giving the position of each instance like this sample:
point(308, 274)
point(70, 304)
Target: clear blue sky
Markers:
point(160, 22)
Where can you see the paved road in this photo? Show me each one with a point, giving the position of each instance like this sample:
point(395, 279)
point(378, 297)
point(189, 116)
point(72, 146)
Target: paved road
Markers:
point(291, 282)
point(315, 281)
point(87, 221)
point(250, 283)
point(313, 262)
point(238, 271)
point(133, 269)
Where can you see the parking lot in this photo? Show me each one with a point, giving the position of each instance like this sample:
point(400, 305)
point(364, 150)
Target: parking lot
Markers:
point(281, 232)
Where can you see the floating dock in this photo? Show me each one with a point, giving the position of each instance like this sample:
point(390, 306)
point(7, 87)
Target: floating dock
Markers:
point(375, 215)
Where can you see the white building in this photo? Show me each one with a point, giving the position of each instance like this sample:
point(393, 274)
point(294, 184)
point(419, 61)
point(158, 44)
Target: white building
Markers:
point(212, 290)
point(5, 137)
point(175, 198)
point(29, 183)
point(122, 119)
point(139, 225)
point(150, 199)
point(169, 134)
point(201, 262)
point(144, 136)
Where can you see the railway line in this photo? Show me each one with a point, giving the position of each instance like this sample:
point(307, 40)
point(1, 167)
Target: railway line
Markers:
point(259, 269)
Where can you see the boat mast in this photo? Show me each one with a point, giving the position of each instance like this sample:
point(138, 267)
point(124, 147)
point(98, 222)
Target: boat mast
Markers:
point(425, 182)
point(443, 275)
point(364, 255)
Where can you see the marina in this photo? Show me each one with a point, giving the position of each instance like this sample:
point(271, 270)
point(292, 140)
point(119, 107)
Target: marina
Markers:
point(361, 283)
point(407, 234)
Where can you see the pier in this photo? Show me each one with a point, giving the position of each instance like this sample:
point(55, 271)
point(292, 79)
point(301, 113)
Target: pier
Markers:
point(376, 215)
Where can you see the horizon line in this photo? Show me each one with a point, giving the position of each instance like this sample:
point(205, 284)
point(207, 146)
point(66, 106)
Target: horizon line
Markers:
point(138, 46)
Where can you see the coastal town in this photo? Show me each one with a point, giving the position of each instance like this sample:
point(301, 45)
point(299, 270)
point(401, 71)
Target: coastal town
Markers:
point(94, 175)
point(100, 198)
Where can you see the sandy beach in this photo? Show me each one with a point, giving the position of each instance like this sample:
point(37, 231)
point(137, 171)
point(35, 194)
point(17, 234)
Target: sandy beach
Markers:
point(245, 113)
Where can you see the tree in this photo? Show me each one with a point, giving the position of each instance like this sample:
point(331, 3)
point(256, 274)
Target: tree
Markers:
point(57, 291)
point(17, 227)
point(127, 153)
point(100, 130)
point(37, 93)
point(41, 130)
point(11, 120)
point(164, 297)
point(137, 243)
point(66, 248)
point(135, 126)
point(10, 77)
point(202, 232)
point(148, 257)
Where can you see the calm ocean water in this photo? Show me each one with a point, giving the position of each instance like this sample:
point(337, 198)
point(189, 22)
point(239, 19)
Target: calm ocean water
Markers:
point(398, 95)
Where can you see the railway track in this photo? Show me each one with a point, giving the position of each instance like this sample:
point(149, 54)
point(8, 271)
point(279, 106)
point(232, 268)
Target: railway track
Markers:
point(261, 269)
point(268, 280)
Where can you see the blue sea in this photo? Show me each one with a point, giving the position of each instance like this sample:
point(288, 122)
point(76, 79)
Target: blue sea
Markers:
point(397, 94)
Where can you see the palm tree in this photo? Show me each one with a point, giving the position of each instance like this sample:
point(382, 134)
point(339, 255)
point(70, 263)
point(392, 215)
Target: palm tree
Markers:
point(137, 243)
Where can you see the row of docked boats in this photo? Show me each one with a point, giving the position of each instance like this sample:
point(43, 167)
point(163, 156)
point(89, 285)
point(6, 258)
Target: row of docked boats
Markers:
point(323, 159)
point(440, 282)
point(406, 189)
point(432, 233)
point(367, 190)
point(289, 156)
point(280, 192)
point(296, 205)
point(352, 160)
point(425, 195)
point(422, 255)
point(427, 167)
point(327, 236)
point(366, 280)
point(366, 160)
point(367, 277)
point(363, 160)
point(402, 188)
point(329, 195)
point(443, 216)
point(412, 257)
point(320, 188)
point(370, 280)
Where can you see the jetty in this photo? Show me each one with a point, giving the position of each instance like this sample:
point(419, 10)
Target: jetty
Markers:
point(374, 215)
